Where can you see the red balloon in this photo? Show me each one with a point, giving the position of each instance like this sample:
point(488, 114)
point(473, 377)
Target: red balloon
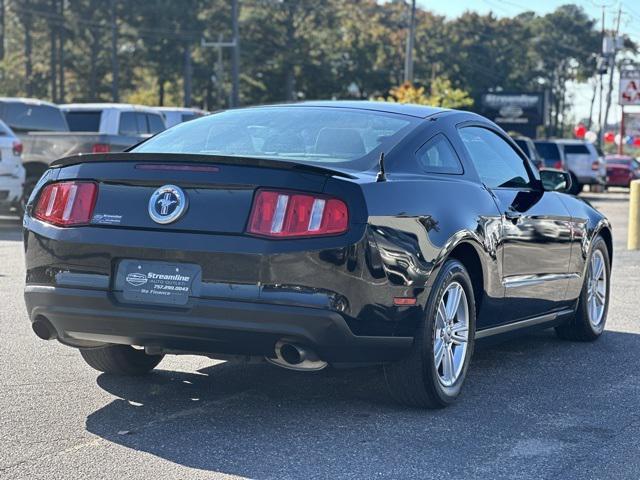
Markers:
point(636, 142)
point(580, 131)
point(609, 137)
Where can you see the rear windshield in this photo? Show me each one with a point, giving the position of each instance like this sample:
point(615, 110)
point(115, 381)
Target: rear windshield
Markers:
point(576, 150)
point(84, 121)
point(29, 117)
point(549, 152)
point(351, 139)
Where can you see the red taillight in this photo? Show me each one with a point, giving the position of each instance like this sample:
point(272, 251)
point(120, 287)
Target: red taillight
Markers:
point(17, 148)
point(100, 148)
point(67, 203)
point(289, 214)
point(558, 164)
point(595, 166)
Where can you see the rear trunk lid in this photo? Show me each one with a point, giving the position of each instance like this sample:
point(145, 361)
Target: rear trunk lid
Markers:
point(219, 190)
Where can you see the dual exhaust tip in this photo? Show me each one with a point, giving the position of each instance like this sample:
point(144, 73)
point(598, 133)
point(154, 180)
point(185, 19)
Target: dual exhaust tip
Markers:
point(296, 357)
point(43, 329)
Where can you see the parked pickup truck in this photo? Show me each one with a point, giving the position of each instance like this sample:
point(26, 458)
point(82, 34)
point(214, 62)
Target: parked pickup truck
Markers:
point(49, 132)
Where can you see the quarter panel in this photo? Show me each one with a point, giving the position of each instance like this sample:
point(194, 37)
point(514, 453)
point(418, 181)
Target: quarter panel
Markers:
point(416, 222)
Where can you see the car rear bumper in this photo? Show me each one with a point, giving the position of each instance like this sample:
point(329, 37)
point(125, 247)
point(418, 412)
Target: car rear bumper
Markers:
point(83, 317)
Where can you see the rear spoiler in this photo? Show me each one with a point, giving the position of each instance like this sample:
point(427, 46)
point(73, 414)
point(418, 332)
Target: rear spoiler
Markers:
point(191, 159)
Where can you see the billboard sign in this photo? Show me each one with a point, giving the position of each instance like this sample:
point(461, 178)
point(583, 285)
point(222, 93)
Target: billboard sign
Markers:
point(629, 87)
point(632, 124)
point(518, 112)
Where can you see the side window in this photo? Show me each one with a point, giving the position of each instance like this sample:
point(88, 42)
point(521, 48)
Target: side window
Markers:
point(141, 121)
point(438, 156)
point(496, 162)
point(128, 124)
point(155, 123)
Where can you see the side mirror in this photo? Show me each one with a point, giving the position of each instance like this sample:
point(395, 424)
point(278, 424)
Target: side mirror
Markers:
point(554, 180)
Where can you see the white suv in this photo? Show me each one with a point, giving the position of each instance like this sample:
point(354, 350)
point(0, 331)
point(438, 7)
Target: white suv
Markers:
point(12, 172)
point(581, 159)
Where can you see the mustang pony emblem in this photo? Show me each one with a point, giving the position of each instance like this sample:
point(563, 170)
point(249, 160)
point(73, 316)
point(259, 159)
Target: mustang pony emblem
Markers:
point(167, 204)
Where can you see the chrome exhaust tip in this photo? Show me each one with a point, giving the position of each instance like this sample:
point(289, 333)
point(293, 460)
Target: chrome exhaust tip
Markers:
point(42, 327)
point(296, 357)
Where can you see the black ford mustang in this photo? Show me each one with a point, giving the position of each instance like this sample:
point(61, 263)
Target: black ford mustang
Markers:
point(342, 233)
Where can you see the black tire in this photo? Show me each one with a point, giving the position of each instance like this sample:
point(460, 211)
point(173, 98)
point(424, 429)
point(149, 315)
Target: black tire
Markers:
point(120, 360)
point(580, 328)
point(414, 381)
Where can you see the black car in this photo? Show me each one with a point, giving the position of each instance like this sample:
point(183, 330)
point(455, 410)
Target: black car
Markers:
point(314, 234)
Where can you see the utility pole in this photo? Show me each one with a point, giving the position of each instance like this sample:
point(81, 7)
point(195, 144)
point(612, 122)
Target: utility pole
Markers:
point(234, 45)
point(187, 73)
point(235, 56)
point(115, 67)
point(53, 67)
point(613, 67)
point(61, 54)
point(408, 59)
point(2, 29)
point(601, 69)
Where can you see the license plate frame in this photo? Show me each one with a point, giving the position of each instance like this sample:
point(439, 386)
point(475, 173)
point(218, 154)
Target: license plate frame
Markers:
point(157, 282)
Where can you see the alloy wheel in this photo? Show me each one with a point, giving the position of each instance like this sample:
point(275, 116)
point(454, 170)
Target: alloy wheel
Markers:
point(596, 288)
point(451, 332)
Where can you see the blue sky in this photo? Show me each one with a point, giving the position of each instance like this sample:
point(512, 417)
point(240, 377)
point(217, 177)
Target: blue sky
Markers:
point(630, 25)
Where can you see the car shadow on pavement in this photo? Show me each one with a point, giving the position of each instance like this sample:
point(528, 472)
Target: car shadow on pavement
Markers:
point(530, 395)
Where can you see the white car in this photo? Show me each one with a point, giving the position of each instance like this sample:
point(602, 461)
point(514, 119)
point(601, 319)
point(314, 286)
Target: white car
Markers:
point(12, 172)
point(175, 115)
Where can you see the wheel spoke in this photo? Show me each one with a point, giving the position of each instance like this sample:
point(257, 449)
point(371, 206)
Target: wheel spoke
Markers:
point(441, 316)
point(453, 302)
point(447, 365)
point(438, 351)
point(599, 297)
point(599, 265)
point(459, 333)
point(593, 311)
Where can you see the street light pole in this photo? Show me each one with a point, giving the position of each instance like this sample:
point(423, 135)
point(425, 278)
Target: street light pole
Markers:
point(235, 56)
point(408, 60)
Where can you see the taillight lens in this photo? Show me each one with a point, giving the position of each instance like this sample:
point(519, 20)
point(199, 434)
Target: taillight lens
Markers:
point(100, 148)
point(17, 148)
point(282, 214)
point(67, 203)
point(558, 165)
point(595, 166)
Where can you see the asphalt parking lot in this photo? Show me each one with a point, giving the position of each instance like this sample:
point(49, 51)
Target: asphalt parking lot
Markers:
point(534, 407)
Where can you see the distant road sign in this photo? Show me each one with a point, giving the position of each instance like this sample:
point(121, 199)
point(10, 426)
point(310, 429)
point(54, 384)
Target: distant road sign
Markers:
point(629, 87)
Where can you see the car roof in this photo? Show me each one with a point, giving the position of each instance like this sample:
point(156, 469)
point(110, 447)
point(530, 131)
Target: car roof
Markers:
point(30, 101)
point(413, 110)
point(104, 106)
